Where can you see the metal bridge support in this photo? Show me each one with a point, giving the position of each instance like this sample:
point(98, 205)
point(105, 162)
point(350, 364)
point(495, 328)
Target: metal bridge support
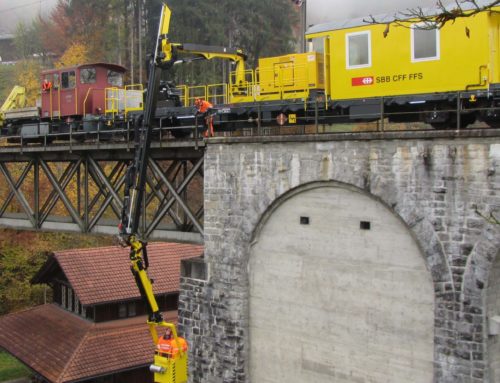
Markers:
point(80, 189)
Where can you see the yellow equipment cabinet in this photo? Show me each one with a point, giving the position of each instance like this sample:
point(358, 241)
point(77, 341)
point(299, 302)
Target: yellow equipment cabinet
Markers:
point(290, 76)
point(280, 78)
point(373, 61)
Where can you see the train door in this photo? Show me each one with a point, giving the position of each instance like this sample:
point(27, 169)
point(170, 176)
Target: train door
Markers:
point(322, 45)
point(69, 99)
point(284, 74)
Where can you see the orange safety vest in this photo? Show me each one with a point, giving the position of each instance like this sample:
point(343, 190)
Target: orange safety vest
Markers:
point(203, 106)
point(170, 347)
point(46, 85)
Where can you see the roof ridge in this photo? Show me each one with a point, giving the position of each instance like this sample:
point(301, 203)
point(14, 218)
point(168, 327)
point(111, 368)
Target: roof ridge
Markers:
point(24, 310)
point(119, 247)
point(59, 252)
point(75, 353)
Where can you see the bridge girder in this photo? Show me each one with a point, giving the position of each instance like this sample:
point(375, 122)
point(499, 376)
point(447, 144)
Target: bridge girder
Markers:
point(80, 189)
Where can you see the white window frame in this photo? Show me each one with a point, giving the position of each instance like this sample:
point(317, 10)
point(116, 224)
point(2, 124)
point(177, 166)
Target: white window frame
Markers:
point(70, 299)
point(76, 309)
point(369, 50)
point(122, 307)
point(131, 309)
point(63, 295)
point(438, 44)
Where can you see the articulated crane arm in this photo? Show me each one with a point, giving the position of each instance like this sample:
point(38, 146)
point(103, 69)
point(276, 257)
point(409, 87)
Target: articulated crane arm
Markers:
point(15, 100)
point(210, 52)
point(168, 368)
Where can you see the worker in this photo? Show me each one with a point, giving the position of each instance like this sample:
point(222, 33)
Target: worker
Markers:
point(202, 105)
point(169, 347)
point(46, 85)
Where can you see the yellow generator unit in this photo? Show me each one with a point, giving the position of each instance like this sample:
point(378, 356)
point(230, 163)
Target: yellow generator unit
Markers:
point(290, 76)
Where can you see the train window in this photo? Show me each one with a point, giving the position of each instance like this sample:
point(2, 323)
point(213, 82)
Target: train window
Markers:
point(56, 82)
point(115, 78)
point(358, 50)
point(68, 80)
point(424, 43)
point(87, 76)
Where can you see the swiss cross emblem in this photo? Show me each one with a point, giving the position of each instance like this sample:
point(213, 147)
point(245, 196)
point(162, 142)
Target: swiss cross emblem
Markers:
point(360, 81)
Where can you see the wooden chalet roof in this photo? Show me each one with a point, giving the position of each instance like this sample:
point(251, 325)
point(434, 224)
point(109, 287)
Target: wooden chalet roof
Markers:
point(63, 347)
point(102, 275)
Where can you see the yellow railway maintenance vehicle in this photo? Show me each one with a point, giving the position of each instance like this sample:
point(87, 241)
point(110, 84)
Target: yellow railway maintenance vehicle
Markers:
point(361, 71)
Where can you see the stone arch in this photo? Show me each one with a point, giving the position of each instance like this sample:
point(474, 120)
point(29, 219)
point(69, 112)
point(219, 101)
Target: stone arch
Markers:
point(481, 297)
point(317, 363)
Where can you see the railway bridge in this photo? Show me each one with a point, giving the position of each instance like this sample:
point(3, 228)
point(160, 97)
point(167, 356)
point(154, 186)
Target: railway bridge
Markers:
point(79, 188)
point(347, 257)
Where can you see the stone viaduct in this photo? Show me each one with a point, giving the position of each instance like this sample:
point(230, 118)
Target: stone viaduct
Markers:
point(366, 258)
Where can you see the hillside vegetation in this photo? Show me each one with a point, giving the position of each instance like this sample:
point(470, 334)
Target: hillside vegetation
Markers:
point(21, 256)
point(124, 32)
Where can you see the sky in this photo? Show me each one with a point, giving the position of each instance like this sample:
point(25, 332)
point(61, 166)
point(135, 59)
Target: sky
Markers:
point(321, 11)
point(318, 11)
point(13, 11)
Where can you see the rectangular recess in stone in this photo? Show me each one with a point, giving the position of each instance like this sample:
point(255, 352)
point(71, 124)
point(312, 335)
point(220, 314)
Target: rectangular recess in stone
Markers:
point(364, 225)
point(304, 220)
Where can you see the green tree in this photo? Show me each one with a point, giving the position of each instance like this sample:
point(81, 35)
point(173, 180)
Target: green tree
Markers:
point(16, 268)
point(261, 28)
point(27, 40)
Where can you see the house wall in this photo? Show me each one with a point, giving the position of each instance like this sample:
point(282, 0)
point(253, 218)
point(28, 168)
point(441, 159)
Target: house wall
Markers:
point(120, 310)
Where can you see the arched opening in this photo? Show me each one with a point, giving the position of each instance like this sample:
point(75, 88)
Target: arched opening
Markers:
point(339, 291)
point(493, 317)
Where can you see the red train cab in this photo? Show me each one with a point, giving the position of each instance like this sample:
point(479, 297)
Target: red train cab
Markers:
point(80, 90)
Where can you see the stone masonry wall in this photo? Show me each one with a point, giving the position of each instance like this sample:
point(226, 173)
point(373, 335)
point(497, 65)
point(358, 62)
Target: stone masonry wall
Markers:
point(436, 184)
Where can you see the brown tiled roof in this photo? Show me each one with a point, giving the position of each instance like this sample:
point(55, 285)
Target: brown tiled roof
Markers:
point(103, 274)
point(64, 348)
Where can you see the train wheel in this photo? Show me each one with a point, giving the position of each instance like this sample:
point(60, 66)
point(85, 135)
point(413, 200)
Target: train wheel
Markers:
point(451, 123)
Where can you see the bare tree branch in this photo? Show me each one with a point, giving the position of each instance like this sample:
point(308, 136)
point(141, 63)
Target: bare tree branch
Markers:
point(443, 14)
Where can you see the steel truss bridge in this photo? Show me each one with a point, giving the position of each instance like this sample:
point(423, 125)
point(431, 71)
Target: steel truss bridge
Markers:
point(79, 188)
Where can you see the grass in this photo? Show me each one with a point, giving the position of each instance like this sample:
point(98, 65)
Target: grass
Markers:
point(11, 368)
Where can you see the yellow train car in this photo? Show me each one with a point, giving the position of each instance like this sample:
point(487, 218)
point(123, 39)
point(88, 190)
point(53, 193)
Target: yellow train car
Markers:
point(411, 63)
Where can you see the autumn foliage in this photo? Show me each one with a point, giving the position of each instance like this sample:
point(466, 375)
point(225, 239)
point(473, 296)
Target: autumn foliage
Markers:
point(76, 54)
point(27, 74)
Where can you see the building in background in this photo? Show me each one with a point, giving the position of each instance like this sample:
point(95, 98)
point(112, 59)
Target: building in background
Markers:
point(95, 330)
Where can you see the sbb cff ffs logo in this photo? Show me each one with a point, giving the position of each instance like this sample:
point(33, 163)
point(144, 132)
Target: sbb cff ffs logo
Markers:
point(361, 81)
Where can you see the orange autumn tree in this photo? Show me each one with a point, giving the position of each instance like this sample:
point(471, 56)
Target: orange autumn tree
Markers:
point(76, 54)
point(73, 22)
point(27, 74)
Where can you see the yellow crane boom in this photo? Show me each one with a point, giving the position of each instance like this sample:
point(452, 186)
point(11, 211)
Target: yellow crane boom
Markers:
point(15, 100)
